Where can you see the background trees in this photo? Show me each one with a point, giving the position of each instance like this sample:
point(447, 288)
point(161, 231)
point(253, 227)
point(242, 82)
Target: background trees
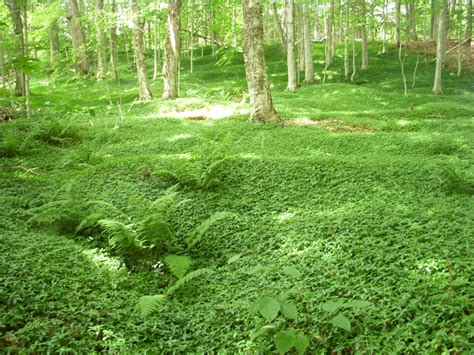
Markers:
point(96, 37)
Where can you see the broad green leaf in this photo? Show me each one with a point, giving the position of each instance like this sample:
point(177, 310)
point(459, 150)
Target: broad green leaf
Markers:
point(332, 306)
point(284, 341)
point(301, 343)
point(291, 271)
point(357, 304)
point(289, 310)
point(341, 321)
point(268, 307)
point(234, 258)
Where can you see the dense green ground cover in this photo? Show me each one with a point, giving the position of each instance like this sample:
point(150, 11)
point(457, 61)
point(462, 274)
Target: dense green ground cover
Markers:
point(373, 203)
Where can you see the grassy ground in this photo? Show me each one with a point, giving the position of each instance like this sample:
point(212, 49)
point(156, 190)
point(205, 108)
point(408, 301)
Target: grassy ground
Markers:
point(374, 203)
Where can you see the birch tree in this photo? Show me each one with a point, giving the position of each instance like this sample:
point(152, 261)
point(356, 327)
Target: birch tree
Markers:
point(172, 51)
point(261, 103)
point(440, 45)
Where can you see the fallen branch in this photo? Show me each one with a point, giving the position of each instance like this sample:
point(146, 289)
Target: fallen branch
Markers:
point(456, 46)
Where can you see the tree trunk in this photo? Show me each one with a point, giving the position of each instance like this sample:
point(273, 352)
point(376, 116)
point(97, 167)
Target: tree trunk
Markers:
point(144, 92)
point(172, 51)
point(432, 20)
point(411, 10)
point(440, 46)
point(15, 12)
point(262, 109)
point(291, 52)
point(363, 35)
point(397, 23)
point(53, 42)
point(78, 38)
point(329, 35)
point(308, 47)
point(113, 43)
point(99, 30)
point(468, 53)
point(277, 26)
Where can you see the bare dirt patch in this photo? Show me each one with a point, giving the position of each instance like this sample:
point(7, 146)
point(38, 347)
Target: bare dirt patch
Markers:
point(331, 125)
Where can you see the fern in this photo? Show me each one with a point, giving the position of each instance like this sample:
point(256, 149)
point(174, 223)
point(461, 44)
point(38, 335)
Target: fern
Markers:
point(156, 227)
point(121, 236)
point(188, 278)
point(198, 233)
point(149, 304)
point(101, 210)
point(211, 178)
point(179, 265)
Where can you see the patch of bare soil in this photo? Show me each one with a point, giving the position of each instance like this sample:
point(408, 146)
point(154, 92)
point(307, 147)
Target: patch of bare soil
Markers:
point(331, 125)
point(429, 48)
point(208, 112)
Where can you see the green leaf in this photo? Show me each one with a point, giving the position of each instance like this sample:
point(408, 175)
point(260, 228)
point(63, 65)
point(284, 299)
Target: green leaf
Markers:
point(357, 304)
point(341, 321)
point(332, 306)
point(262, 331)
point(179, 265)
point(259, 268)
point(291, 271)
point(149, 304)
point(289, 310)
point(234, 258)
point(301, 343)
point(268, 307)
point(284, 341)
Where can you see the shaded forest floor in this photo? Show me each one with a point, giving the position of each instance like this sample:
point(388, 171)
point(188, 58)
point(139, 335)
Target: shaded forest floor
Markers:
point(373, 202)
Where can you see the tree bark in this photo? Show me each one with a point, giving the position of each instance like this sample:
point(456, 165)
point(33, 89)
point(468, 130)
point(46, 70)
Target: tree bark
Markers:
point(397, 22)
point(113, 42)
point(172, 51)
point(15, 12)
point(144, 92)
point(277, 26)
point(291, 50)
point(363, 35)
point(440, 46)
point(78, 37)
point(308, 47)
point(468, 53)
point(262, 109)
point(99, 30)
point(53, 42)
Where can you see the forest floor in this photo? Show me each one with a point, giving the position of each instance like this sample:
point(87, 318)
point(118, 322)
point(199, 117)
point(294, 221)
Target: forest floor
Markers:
point(372, 203)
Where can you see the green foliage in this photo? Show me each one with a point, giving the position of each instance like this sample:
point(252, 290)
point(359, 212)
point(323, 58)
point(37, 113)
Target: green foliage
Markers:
point(198, 233)
point(149, 304)
point(178, 264)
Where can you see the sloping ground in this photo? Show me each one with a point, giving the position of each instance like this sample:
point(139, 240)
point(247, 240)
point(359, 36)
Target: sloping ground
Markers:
point(381, 214)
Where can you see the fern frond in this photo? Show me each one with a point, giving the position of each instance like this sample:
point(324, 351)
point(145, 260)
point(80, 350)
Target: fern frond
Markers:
point(198, 233)
point(15, 201)
point(211, 178)
point(188, 278)
point(178, 264)
point(149, 304)
point(120, 235)
point(47, 213)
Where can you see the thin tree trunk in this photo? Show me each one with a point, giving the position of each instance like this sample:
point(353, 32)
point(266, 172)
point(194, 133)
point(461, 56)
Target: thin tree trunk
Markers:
point(2, 65)
point(172, 51)
point(26, 79)
point(15, 12)
point(329, 35)
point(363, 35)
point(113, 42)
point(308, 47)
point(432, 20)
point(99, 35)
point(191, 39)
point(397, 22)
point(459, 31)
point(156, 50)
point(78, 37)
point(468, 52)
point(262, 109)
point(278, 26)
point(440, 46)
point(53, 42)
point(144, 92)
point(291, 53)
